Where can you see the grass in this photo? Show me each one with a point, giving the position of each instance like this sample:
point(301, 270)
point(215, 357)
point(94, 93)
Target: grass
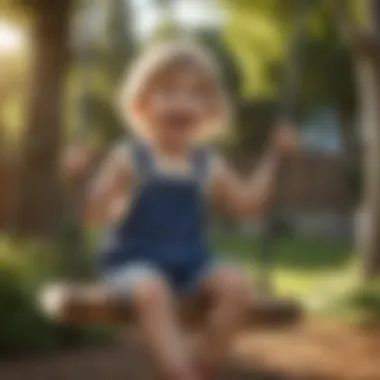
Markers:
point(296, 265)
point(310, 254)
point(322, 273)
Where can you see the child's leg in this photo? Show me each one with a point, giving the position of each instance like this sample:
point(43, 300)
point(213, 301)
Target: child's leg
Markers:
point(156, 320)
point(231, 293)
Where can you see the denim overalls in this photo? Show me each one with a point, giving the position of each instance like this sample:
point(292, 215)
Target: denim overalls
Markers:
point(166, 225)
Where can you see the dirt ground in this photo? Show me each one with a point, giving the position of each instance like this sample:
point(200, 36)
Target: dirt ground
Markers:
point(314, 350)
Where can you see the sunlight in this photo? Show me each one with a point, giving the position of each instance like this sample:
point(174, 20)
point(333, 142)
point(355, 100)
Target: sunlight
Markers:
point(12, 39)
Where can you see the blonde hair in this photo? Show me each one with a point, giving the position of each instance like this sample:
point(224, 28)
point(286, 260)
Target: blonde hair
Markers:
point(156, 59)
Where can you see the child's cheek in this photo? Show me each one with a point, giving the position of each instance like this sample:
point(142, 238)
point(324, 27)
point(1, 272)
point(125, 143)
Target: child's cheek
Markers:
point(210, 114)
point(157, 107)
point(147, 110)
point(140, 109)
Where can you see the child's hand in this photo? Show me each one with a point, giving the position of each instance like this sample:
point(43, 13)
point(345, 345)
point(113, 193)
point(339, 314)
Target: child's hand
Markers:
point(76, 161)
point(285, 140)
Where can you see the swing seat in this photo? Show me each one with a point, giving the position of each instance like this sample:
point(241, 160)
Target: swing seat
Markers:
point(90, 305)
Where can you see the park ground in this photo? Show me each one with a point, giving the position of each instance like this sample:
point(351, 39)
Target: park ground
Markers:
point(339, 337)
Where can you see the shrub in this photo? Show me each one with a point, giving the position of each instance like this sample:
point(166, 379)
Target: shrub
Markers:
point(22, 326)
point(23, 268)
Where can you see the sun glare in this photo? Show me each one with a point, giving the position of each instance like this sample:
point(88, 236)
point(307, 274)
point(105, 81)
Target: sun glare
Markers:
point(12, 39)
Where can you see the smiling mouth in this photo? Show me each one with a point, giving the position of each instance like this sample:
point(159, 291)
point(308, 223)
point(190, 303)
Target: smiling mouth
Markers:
point(180, 121)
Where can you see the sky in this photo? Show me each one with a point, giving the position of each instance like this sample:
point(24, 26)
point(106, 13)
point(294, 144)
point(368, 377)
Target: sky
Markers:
point(187, 12)
point(190, 13)
point(12, 39)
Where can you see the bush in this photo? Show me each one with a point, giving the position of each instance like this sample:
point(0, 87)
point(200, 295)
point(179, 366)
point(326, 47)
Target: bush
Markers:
point(22, 326)
point(23, 268)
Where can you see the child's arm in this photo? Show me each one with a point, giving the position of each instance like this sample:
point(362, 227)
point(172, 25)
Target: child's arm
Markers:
point(249, 198)
point(110, 186)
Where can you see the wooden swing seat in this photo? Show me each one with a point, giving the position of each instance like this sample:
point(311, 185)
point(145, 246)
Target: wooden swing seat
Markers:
point(90, 304)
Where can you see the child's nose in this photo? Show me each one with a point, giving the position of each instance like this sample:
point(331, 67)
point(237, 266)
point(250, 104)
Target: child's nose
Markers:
point(187, 101)
point(182, 102)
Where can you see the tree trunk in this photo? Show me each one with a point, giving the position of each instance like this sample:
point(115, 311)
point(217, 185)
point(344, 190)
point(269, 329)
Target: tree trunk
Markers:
point(369, 95)
point(121, 45)
point(38, 201)
point(118, 56)
point(367, 62)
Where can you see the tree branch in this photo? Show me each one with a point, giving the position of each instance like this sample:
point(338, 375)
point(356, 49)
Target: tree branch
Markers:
point(362, 42)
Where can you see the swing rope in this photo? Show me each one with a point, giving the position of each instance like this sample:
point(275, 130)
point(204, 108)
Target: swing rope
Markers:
point(287, 116)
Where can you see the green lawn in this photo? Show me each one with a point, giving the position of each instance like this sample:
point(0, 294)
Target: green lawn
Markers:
point(321, 273)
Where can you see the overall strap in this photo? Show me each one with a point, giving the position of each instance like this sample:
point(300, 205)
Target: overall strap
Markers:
point(142, 159)
point(202, 164)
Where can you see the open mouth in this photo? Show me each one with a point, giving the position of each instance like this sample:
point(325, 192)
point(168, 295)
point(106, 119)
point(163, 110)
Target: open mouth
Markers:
point(180, 121)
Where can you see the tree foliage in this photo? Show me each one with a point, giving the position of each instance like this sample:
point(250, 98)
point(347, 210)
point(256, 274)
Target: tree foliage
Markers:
point(258, 34)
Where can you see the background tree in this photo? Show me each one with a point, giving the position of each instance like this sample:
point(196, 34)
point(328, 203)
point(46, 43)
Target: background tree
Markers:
point(38, 206)
point(257, 33)
point(360, 27)
point(112, 49)
point(118, 53)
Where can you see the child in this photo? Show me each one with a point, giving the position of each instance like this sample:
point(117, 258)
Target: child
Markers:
point(153, 194)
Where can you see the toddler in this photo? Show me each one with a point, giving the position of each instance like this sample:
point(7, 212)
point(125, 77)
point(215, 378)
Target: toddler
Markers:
point(154, 191)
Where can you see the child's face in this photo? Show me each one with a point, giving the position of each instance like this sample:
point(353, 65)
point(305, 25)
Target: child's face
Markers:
point(179, 103)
